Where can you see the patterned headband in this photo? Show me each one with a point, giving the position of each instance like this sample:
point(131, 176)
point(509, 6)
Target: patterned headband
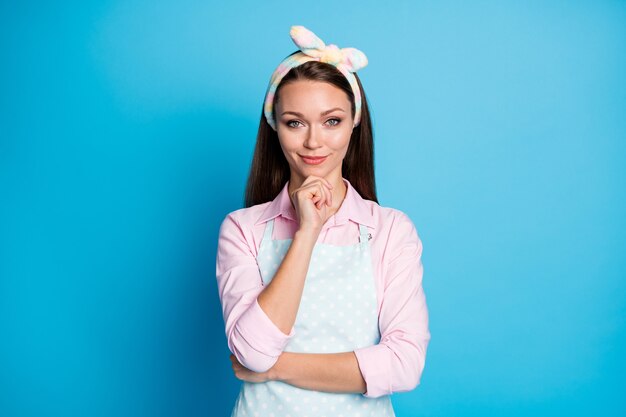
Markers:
point(312, 48)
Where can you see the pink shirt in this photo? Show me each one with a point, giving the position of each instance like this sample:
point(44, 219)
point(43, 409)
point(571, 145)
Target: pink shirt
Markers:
point(396, 363)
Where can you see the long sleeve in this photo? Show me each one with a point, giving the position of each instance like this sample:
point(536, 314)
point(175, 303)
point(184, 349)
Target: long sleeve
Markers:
point(252, 337)
point(396, 363)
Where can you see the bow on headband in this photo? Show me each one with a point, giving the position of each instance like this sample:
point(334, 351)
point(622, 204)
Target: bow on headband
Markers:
point(312, 48)
point(310, 44)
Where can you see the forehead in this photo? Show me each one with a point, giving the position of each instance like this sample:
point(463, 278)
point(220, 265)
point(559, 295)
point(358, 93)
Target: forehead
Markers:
point(307, 94)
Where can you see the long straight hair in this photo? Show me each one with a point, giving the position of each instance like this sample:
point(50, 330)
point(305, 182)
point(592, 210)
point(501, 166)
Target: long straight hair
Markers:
point(269, 171)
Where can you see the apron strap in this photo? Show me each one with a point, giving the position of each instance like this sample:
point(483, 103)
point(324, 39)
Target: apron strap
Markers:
point(365, 236)
point(269, 227)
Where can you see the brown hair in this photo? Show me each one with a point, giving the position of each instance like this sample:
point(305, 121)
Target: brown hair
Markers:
point(269, 170)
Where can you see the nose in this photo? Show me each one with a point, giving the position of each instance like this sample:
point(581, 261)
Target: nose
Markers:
point(313, 136)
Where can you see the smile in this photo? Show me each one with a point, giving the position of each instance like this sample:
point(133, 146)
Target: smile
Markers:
point(313, 160)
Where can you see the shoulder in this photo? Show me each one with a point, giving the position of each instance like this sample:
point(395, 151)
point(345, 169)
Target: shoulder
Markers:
point(238, 232)
point(241, 223)
point(245, 217)
point(396, 228)
point(390, 218)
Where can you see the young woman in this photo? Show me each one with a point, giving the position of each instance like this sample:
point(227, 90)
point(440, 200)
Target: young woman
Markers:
point(321, 287)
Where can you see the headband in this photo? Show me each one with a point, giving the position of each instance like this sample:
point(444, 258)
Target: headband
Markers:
point(312, 48)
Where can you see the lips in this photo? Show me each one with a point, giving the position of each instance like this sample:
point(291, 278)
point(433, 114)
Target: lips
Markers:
point(313, 160)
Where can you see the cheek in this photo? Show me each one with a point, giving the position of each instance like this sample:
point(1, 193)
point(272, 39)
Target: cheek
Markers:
point(339, 140)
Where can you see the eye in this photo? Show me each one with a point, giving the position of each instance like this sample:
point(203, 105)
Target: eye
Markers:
point(335, 119)
point(288, 123)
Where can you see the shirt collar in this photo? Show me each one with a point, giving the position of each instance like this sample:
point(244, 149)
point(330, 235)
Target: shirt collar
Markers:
point(352, 208)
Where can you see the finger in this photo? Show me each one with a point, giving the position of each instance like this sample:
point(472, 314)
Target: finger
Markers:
point(309, 180)
point(317, 191)
point(317, 195)
point(315, 178)
point(323, 192)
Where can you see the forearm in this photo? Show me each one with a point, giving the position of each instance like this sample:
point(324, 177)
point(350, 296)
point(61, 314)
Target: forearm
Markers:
point(280, 299)
point(329, 372)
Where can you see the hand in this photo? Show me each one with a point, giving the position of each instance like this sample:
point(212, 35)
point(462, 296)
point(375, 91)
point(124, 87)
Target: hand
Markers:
point(244, 374)
point(311, 202)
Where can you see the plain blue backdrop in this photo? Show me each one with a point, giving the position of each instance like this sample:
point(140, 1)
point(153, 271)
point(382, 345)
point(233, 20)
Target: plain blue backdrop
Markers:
point(126, 133)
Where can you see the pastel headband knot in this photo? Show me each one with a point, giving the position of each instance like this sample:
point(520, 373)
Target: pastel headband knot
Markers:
point(312, 48)
point(332, 55)
point(310, 44)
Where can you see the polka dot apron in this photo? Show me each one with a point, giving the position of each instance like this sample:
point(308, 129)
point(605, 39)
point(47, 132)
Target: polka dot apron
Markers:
point(337, 313)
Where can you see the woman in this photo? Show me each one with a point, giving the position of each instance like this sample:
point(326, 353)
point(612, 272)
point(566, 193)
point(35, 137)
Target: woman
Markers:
point(321, 287)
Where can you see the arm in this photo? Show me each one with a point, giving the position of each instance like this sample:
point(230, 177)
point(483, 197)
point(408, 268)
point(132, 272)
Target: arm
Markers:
point(281, 297)
point(253, 335)
point(396, 363)
point(328, 372)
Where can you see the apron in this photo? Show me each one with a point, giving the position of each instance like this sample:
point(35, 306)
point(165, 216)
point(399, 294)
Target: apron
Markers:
point(337, 313)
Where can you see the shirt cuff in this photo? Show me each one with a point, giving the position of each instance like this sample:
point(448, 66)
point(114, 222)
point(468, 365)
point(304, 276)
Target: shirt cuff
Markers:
point(261, 333)
point(375, 365)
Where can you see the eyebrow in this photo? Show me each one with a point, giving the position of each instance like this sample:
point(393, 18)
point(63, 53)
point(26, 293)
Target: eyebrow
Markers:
point(321, 114)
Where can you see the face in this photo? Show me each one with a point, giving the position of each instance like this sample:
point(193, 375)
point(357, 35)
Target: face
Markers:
point(313, 119)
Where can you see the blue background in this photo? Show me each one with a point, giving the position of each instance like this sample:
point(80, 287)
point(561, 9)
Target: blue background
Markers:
point(126, 133)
